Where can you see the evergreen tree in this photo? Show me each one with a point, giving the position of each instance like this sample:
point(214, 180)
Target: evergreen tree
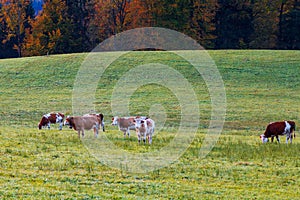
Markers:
point(234, 24)
point(265, 24)
point(290, 34)
point(78, 12)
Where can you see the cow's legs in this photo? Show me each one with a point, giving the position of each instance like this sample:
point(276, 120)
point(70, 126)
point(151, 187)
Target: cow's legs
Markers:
point(96, 130)
point(150, 139)
point(139, 137)
point(277, 138)
point(78, 134)
point(288, 137)
point(60, 125)
point(48, 125)
point(272, 138)
point(102, 124)
point(128, 132)
point(145, 138)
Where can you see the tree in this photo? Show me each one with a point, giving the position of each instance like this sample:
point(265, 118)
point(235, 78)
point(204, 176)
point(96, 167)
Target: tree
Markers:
point(234, 24)
point(138, 14)
point(290, 37)
point(172, 14)
point(265, 24)
point(114, 16)
point(16, 15)
point(50, 31)
point(6, 48)
point(202, 25)
point(78, 12)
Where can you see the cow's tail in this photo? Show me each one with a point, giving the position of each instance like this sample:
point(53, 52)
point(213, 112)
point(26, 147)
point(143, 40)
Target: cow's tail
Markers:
point(293, 129)
point(101, 116)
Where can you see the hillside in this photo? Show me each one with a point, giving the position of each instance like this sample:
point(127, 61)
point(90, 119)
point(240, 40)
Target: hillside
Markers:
point(261, 86)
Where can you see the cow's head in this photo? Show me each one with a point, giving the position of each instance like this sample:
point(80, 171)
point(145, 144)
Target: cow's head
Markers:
point(69, 121)
point(43, 122)
point(140, 123)
point(114, 121)
point(263, 138)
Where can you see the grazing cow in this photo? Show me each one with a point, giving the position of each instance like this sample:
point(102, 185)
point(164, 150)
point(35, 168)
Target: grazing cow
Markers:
point(81, 123)
point(52, 118)
point(100, 117)
point(275, 129)
point(145, 129)
point(125, 123)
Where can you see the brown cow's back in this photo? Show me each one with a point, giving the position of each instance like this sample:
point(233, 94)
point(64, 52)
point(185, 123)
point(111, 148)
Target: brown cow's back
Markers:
point(81, 123)
point(84, 122)
point(126, 122)
point(275, 128)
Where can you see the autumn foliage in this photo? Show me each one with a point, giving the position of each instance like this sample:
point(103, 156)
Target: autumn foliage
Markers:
point(65, 26)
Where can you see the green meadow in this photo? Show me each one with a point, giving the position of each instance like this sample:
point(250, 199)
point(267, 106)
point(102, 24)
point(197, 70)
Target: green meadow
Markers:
point(261, 86)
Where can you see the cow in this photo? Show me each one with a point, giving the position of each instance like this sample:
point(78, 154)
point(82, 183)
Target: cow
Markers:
point(52, 118)
point(100, 117)
point(82, 123)
point(275, 129)
point(144, 129)
point(125, 123)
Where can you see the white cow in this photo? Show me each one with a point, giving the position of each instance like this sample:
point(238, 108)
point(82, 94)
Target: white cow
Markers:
point(126, 123)
point(145, 129)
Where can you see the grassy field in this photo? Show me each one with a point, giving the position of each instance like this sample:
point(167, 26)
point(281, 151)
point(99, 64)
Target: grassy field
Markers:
point(261, 86)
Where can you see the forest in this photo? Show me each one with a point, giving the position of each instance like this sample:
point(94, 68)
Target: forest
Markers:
point(69, 26)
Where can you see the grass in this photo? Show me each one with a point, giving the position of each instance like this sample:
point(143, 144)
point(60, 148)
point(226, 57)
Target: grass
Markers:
point(261, 86)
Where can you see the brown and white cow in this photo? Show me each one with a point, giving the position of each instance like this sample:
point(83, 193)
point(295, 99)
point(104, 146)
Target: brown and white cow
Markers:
point(275, 129)
point(125, 123)
point(52, 118)
point(145, 129)
point(82, 123)
point(100, 117)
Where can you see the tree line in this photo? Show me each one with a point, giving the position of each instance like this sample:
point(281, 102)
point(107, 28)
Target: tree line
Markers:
point(68, 26)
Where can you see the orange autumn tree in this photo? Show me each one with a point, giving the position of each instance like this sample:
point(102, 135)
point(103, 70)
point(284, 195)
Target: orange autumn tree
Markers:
point(201, 25)
point(16, 14)
point(114, 16)
point(50, 31)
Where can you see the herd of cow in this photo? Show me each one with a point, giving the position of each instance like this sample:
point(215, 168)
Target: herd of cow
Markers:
point(145, 126)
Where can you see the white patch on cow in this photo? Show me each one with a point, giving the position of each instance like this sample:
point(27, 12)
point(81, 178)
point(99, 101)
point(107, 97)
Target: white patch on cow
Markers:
point(59, 120)
point(287, 128)
point(145, 129)
point(287, 131)
point(115, 121)
point(66, 121)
